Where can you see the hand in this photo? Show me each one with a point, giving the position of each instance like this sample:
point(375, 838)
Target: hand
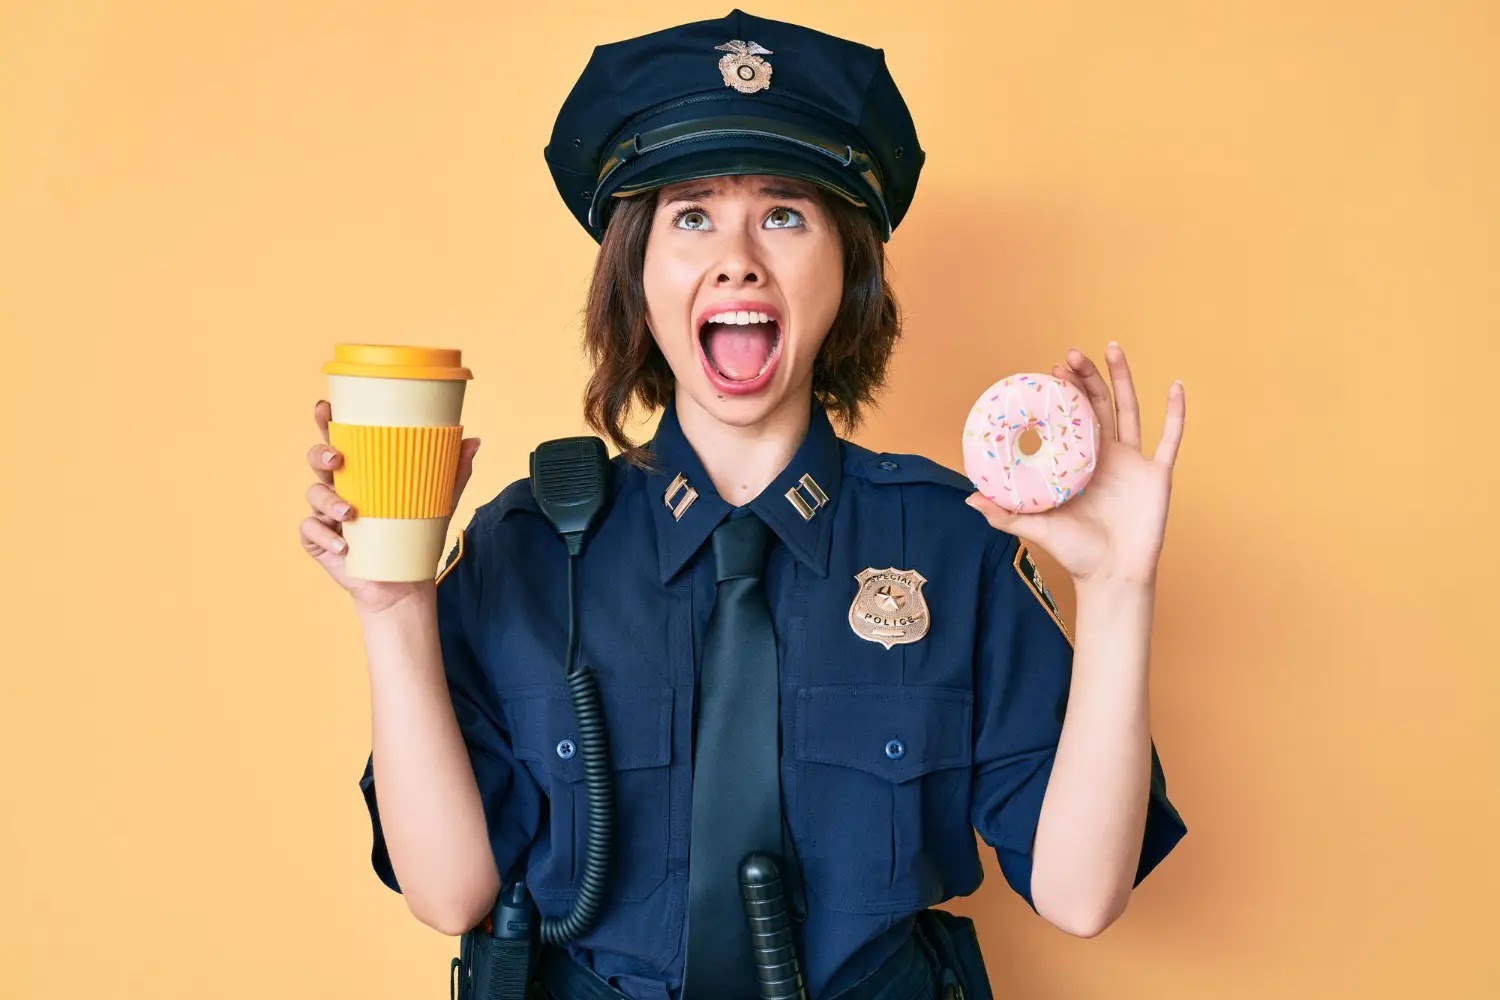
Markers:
point(322, 531)
point(1113, 529)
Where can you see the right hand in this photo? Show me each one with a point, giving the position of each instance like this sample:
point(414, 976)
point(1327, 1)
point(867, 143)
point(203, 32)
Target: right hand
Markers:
point(322, 531)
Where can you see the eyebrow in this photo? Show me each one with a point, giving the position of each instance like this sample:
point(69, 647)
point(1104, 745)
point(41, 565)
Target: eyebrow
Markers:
point(769, 190)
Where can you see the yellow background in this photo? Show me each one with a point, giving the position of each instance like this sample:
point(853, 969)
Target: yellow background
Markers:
point(1290, 206)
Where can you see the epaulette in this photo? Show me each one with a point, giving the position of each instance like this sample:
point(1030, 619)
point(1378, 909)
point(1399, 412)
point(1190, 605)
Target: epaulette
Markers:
point(516, 496)
point(886, 467)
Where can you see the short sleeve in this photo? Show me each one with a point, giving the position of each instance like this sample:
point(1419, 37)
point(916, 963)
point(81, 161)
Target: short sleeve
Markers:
point(511, 799)
point(1024, 670)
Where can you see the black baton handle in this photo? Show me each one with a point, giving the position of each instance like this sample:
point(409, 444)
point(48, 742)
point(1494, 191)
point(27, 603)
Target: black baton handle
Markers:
point(771, 945)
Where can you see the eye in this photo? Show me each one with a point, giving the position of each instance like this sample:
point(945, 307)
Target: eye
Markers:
point(779, 214)
point(690, 211)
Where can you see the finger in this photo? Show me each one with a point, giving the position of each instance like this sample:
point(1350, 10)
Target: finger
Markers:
point(1031, 527)
point(322, 413)
point(318, 538)
point(1171, 431)
point(1069, 377)
point(466, 451)
point(323, 459)
point(1127, 410)
point(328, 505)
point(1098, 392)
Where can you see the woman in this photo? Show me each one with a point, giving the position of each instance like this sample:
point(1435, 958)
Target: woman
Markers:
point(844, 658)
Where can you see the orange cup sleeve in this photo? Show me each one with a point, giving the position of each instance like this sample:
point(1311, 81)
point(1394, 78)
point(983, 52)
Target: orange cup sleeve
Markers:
point(396, 471)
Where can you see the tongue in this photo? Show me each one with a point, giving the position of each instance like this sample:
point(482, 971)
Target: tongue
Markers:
point(739, 352)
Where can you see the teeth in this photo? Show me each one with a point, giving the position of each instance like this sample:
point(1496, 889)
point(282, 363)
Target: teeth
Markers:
point(740, 318)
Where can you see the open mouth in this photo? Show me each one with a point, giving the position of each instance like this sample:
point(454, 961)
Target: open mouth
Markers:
point(740, 349)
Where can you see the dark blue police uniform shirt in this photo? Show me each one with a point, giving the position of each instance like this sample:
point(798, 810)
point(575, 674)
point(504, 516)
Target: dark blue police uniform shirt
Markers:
point(891, 757)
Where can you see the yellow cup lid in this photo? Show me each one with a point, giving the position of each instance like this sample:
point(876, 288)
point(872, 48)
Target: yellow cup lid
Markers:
point(396, 361)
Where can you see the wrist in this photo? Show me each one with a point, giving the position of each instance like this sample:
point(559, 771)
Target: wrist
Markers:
point(420, 600)
point(1108, 588)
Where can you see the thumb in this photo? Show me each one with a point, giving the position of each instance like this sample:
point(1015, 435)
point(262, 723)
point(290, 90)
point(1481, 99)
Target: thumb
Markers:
point(1016, 524)
point(466, 451)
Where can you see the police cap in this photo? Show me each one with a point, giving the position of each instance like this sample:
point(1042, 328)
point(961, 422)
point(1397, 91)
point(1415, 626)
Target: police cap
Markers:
point(735, 95)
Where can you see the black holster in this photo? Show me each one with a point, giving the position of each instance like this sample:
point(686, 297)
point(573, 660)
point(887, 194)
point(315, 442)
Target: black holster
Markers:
point(954, 946)
point(495, 959)
point(489, 968)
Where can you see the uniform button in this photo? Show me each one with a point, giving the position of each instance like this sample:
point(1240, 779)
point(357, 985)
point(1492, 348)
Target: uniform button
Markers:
point(895, 749)
point(566, 749)
point(889, 466)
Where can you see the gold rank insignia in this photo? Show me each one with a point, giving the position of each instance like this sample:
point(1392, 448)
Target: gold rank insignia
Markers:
point(889, 607)
point(743, 67)
point(1032, 577)
point(454, 555)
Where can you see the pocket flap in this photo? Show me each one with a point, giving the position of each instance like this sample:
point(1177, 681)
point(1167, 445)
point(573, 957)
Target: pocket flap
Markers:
point(543, 729)
point(897, 732)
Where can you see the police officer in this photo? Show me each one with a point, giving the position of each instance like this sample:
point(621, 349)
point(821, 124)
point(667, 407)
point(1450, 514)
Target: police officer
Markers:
point(844, 658)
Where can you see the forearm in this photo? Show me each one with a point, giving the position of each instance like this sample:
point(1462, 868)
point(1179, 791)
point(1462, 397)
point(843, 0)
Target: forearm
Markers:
point(1093, 815)
point(429, 802)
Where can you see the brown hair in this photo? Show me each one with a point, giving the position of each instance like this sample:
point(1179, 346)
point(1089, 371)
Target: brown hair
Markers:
point(628, 366)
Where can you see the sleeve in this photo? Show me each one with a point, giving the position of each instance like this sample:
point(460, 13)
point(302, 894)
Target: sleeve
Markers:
point(1024, 668)
point(511, 798)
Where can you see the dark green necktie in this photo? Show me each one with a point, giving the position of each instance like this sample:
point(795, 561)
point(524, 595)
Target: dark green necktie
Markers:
point(736, 782)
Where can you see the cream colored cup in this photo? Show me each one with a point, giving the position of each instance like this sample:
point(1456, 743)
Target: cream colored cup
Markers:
point(397, 422)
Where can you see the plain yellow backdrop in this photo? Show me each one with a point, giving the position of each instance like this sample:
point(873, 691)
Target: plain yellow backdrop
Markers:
point(1290, 206)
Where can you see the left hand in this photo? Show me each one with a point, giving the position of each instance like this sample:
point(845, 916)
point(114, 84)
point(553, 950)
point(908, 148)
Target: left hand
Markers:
point(1113, 529)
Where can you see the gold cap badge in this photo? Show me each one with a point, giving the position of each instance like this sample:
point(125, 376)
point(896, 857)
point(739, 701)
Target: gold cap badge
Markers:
point(889, 607)
point(743, 67)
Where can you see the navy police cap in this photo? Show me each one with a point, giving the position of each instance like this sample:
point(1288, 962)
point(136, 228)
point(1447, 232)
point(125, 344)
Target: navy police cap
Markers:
point(736, 95)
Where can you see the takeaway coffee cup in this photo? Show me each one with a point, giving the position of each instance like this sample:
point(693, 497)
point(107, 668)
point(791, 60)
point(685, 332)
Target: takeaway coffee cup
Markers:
point(396, 421)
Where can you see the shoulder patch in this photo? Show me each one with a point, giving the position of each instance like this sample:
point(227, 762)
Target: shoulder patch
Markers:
point(1026, 568)
point(893, 468)
point(454, 555)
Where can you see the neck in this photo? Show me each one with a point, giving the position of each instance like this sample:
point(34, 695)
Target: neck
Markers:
point(742, 461)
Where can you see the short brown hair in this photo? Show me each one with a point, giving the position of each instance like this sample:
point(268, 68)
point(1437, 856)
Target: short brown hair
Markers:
point(628, 366)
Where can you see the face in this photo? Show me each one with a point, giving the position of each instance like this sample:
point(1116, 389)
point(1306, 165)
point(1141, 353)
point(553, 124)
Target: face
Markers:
point(743, 276)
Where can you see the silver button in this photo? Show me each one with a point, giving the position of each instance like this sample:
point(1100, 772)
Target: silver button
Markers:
point(566, 749)
point(895, 749)
point(889, 466)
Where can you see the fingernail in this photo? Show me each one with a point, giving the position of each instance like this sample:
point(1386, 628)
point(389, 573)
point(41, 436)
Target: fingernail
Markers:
point(341, 510)
point(338, 546)
point(327, 458)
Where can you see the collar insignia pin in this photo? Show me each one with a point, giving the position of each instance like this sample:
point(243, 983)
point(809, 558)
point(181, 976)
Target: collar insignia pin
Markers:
point(679, 496)
point(743, 68)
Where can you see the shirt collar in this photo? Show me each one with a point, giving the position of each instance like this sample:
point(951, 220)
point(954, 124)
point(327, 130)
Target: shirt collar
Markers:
point(798, 505)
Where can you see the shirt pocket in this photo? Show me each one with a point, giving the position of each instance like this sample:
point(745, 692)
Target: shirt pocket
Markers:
point(545, 735)
point(882, 773)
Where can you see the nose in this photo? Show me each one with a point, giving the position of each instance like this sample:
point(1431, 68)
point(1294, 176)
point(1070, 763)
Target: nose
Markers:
point(740, 264)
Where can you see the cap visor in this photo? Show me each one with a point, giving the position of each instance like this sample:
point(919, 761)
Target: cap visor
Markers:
point(747, 156)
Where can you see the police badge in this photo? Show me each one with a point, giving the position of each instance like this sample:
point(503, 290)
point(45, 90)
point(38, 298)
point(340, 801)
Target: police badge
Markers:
point(889, 607)
point(743, 68)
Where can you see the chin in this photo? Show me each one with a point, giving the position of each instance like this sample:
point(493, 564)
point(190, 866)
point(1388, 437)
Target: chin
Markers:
point(737, 410)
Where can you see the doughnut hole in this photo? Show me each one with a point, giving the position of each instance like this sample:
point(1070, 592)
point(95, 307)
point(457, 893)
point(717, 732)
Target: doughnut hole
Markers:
point(1030, 442)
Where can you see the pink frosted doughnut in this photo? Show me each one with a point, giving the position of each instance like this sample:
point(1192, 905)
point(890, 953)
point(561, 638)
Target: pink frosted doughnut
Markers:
point(1055, 472)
